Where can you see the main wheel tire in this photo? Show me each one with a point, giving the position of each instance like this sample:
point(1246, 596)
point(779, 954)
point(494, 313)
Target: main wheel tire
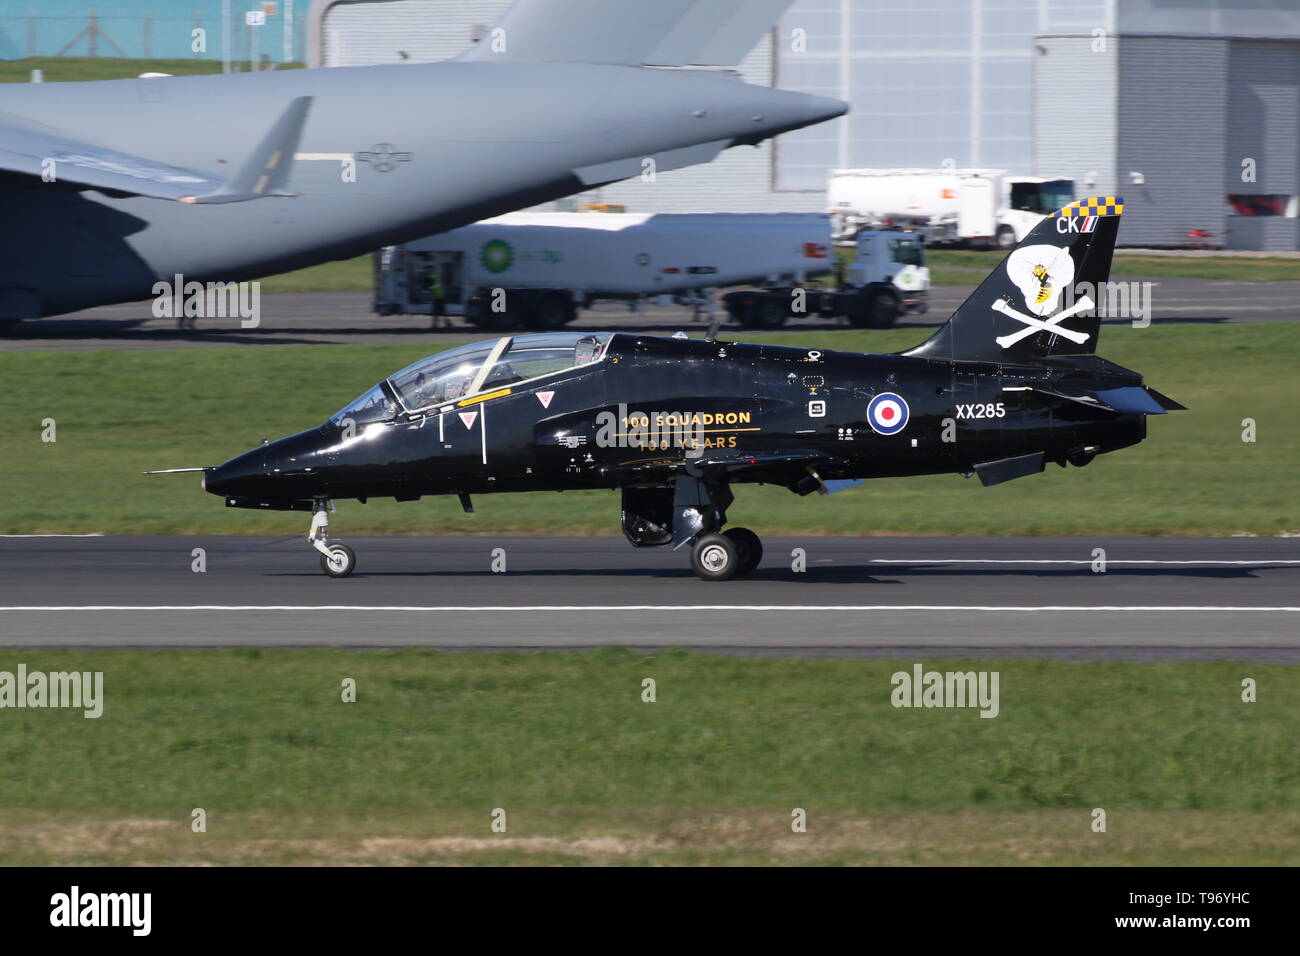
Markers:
point(715, 557)
point(340, 562)
point(751, 548)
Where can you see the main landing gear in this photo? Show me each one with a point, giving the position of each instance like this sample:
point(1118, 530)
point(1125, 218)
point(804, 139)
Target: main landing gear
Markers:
point(717, 557)
point(336, 560)
point(699, 510)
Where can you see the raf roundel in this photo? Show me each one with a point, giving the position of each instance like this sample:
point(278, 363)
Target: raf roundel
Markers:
point(887, 414)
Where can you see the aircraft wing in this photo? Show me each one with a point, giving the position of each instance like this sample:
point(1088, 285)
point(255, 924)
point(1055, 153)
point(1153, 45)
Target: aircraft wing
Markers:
point(662, 33)
point(1111, 398)
point(28, 149)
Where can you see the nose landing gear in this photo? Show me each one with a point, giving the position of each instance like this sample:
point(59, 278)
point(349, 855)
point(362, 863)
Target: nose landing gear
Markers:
point(336, 560)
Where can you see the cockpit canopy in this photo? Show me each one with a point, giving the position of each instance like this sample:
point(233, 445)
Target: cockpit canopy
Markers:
point(475, 369)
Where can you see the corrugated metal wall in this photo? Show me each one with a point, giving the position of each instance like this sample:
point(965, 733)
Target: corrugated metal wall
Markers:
point(1075, 89)
point(369, 34)
point(1263, 129)
point(1184, 112)
point(1172, 130)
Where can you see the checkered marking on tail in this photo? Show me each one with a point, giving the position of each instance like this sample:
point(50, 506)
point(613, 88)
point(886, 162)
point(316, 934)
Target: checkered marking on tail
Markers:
point(1095, 206)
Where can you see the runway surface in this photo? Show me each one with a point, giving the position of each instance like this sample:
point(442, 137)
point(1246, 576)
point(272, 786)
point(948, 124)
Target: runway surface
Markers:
point(290, 318)
point(1158, 599)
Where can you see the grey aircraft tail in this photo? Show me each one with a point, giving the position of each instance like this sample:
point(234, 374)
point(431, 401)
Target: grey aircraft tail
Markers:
point(1041, 300)
point(658, 33)
point(266, 171)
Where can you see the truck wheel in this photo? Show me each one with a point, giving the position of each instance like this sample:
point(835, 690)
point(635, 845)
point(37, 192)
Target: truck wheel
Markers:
point(879, 310)
point(548, 314)
point(883, 310)
point(742, 315)
point(1006, 237)
point(768, 314)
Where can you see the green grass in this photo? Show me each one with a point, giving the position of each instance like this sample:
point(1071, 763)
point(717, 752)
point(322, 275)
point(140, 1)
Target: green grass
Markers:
point(1208, 267)
point(119, 413)
point(968, 267)
point(70, 69)
point(708, 773)
point(345, 275)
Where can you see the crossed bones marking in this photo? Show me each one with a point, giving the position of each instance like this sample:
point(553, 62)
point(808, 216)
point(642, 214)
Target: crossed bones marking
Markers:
point(1033, 325)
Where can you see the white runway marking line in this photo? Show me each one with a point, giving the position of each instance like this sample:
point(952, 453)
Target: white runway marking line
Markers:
point(95, 534)
point(635, 607)
point(1109, 561)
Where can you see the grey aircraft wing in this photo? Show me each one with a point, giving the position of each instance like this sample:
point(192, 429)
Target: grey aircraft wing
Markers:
point(666, 33)
point(28, 149)
point(560, 96)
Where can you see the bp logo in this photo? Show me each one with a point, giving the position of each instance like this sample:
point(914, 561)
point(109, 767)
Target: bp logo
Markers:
point(497, 255)
point(887, 413)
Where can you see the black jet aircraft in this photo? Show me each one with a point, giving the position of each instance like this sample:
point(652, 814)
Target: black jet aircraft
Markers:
point(1010, 383)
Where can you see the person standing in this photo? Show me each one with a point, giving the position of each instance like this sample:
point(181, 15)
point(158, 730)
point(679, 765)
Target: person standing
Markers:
point(437, 292)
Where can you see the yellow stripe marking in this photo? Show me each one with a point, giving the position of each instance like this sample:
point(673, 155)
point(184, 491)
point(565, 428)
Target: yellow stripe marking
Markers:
point(483, 398)
point(664, 428)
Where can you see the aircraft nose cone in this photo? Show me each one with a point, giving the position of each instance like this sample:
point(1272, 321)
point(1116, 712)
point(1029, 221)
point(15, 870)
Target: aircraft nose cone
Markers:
point(233, 477)
point(775, 111)
point(818, 109)
point(288, 467)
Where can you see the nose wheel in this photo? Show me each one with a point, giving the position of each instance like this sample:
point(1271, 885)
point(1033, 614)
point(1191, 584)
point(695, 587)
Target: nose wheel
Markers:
point(719, 557)
point(336, 560)
point(339, 562)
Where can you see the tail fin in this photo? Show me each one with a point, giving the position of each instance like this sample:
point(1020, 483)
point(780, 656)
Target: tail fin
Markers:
point(631, 32)
point(1040, 300)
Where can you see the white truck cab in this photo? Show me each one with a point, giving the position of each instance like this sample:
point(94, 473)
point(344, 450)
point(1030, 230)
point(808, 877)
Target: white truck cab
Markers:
point(885, 278)
point(889, 256)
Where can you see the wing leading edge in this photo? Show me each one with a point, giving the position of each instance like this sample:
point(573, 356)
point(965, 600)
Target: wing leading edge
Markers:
point(29, 150)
